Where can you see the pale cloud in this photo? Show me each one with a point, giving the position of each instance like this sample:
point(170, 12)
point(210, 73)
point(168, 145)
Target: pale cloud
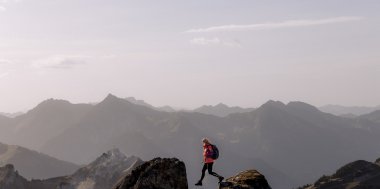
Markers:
point(60, 62)
point(2, 8)
point(276, 25)
point(215, 41)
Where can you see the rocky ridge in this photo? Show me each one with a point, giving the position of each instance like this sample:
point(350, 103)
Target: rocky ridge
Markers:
point(356, 175)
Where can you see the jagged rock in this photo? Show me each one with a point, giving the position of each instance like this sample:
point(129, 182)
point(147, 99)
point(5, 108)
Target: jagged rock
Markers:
point(10, 179)
point(356, 175)
point(101, 173)
point(250, 179)
point(159, 173)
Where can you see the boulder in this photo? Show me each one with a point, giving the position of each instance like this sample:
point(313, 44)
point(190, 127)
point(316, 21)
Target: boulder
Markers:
point(250, 179)
point(159, 173)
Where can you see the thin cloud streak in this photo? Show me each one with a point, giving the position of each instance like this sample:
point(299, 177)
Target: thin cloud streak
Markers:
point(276, 25)
point(214, 41)
point(60, 62)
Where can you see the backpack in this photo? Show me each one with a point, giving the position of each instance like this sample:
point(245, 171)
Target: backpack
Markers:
point(215, 152)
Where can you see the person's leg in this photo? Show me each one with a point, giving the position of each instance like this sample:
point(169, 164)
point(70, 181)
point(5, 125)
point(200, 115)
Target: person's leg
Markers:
point(199, 183)
point(209, 168)
point(203, 171)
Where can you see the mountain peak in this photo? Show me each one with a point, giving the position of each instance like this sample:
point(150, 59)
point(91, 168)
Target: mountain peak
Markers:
point(221, 105)
point(273, 104)
point(111, 155)
point(115, 153)
point(112, 99)
point(51, 102)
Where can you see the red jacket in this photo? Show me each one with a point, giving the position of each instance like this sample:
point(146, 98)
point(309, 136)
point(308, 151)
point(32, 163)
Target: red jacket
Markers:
point(207, 152)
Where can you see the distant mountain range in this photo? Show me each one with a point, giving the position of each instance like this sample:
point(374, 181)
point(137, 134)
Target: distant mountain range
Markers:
point(292, 144)
point(373, 116)
point(221, 110)
point(348, 110)
point(102, 173)
point(32, 164)
point(143, 103)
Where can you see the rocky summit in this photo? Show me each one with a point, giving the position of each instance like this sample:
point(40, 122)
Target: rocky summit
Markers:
point(250, 179)
point(159, 173)
point(101, 173)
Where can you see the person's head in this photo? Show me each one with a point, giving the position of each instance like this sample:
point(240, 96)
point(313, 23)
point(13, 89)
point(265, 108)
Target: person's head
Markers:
point(205, 141)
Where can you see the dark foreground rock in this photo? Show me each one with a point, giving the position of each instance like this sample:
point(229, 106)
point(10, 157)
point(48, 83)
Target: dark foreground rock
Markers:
point(250, 179)
point(159, 173)
point(356, 175)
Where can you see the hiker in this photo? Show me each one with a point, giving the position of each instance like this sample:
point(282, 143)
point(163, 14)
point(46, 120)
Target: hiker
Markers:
point(208, 160)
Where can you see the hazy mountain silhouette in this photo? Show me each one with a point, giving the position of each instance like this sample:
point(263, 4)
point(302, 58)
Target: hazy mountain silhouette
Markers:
point(143, 103)
point(295, 142)
point(373, 116)
point(147, 133)
point(114, 122)
point(32, 164)
point(349, 115)
point(47, 120)
point(221, 110)
point(301, 141)
point(341, 110)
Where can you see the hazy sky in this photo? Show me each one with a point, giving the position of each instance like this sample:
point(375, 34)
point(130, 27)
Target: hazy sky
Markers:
point(190, 53)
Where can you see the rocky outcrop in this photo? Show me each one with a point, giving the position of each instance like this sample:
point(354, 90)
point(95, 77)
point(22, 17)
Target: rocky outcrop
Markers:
point(101, 173)
point(356, 175)
point(9, 178)
point(159, 173)
point(250, 179)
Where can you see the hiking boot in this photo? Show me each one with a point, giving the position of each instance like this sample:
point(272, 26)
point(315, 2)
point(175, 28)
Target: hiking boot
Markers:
point(199, 183)
point(221, 179)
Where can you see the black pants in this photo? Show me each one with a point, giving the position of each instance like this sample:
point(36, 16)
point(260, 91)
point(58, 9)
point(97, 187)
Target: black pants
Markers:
point(208, 166)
